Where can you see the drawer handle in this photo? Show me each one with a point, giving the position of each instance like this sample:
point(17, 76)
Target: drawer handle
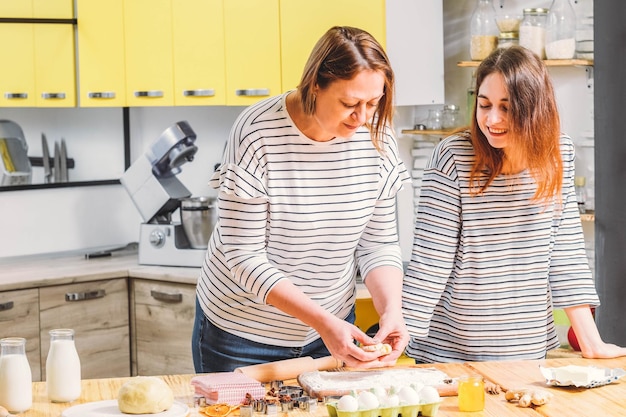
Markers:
point(253, 92)
point(168, 298)
point(152, 93)
point(52, 96)
point(199, 93)
point(101, 94)
point(6, 306)
point(11, 96)
point(87, 295)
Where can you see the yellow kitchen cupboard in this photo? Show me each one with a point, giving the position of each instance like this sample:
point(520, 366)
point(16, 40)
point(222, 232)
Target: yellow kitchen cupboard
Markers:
point(303, 23)
point(148, 52)
point(41, 71)
point(101, 61)
point(252, 42)
point(198, 36)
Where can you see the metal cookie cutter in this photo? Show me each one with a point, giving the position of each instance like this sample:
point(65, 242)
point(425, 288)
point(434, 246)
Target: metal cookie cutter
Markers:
point(305, 403)
point(271, 409)
point(246, 411)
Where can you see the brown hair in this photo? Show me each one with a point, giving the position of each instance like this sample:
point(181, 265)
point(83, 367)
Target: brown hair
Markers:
point(533, 117)
point(340, 54)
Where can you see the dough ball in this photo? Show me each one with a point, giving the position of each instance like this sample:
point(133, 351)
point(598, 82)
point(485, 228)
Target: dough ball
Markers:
point(381, 348)
point(145, 395)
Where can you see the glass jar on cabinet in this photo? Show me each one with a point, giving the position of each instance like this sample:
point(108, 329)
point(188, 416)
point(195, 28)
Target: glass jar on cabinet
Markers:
point(484, 31)
point(532, 30)
point(561, 31)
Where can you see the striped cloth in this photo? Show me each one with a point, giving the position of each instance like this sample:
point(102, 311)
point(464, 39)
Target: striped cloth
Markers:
point(486, 270)
point(293, 208)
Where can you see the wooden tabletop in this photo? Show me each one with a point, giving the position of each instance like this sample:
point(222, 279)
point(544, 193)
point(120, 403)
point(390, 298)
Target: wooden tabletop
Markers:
point(609, 400)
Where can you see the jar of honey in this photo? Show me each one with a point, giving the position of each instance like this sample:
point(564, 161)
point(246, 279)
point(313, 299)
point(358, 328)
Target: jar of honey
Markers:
point(471, 393)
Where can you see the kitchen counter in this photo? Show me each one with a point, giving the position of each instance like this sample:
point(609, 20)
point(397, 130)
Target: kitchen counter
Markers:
point(609, 400)
point(42, 271)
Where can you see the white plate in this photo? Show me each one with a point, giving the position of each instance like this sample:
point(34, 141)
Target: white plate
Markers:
point(109, 408)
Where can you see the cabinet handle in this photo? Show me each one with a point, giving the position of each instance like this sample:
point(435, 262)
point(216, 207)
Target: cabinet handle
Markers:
point(101, 94)
point(253, 92)
point(10, 96)
point(151, 93)
point(6, 306)
point(199, 93)
point(52, 96)
point(87, 295)
point(168, 298)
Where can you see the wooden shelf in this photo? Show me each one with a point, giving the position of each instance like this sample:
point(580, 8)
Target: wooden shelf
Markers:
point(548, 62)
point(427, 132)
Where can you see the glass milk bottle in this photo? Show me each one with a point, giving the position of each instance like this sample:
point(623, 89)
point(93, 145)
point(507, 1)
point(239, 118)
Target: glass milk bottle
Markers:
point(484, 31)
point(561, 31)
point(16, 381)
point(62, 367)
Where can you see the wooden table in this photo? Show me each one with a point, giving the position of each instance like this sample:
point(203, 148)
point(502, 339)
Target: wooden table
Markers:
point(609, 400)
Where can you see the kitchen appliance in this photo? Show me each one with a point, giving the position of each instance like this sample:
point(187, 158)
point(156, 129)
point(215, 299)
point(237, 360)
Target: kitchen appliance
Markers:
point(156, 192)
point(15, 168)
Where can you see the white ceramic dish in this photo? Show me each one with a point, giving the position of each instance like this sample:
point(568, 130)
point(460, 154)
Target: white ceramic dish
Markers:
point(109, 408)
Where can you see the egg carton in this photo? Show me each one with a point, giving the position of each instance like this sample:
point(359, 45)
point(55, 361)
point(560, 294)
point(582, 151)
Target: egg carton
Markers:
point(426, 410)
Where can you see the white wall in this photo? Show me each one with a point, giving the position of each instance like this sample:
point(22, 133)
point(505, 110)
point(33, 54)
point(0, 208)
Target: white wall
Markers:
point(74, 219)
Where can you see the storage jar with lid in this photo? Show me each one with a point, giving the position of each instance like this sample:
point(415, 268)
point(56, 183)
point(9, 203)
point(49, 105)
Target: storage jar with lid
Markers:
point(484, 31)
point(450, 118)
point(532, 30)
point(561, 31)
point(508, 39)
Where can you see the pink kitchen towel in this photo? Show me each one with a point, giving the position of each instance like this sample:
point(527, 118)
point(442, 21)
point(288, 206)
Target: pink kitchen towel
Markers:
point(227, 387)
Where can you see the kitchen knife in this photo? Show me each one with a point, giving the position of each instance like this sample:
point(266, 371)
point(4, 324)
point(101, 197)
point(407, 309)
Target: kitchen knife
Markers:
point(63, 161)
point(47, 171)
point(57, 162)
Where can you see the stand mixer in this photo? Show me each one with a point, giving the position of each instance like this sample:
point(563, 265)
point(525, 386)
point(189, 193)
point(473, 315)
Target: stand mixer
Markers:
point(156, 192)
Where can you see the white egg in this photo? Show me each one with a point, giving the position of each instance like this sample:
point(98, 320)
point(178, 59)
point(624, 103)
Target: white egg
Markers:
point(348, 403)
point(380, 393)
point(392, 400)
point(408, 396)
point(367, 400)
point(429, 395)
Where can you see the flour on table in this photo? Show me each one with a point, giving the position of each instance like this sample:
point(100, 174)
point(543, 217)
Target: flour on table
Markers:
point(363, 380)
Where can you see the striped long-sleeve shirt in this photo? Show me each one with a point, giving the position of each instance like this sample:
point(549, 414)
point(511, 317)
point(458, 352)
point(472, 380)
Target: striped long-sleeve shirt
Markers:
point(486, 270)
point(293, 208)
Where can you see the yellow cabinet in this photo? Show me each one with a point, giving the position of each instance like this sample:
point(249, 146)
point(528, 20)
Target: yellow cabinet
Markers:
point(148, 52)
point(41, 70)
point(252, 42)
point(303, 23)
point(198, 33)
point(101, 61)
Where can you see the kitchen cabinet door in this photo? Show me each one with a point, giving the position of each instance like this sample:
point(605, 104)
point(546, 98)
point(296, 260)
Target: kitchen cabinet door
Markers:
point(101, 61)
point(252, 48)
point(303, 23)
point(162, 325)
point(19, 317)
point(99, 314)
point(148, 53)
point(54, 65)
point(52, 9)
point(198, 33)
point(17, 76)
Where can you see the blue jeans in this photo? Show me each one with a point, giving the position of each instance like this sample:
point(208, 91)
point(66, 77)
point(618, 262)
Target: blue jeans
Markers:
point(215, 350)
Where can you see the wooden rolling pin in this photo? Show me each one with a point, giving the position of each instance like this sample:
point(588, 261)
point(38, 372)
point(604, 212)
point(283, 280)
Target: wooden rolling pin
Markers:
point(288, 368)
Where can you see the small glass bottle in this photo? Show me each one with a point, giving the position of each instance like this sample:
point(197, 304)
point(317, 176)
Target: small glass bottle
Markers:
point(16, 380)
point(484, 31)
point(561, 30)
point(532, 31)
point(581, 194)
point(471, 393)
point(63, 378)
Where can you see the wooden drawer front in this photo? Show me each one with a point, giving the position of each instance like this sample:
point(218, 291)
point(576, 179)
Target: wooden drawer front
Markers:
point(164, 314)
point(99, 316)
point(19, 317)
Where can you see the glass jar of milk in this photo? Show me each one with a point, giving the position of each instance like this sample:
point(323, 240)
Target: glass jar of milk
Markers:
point(16, 380)
point(63, 378)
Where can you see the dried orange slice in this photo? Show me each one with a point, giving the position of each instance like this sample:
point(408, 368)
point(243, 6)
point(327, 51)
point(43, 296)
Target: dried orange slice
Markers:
point(218, 410)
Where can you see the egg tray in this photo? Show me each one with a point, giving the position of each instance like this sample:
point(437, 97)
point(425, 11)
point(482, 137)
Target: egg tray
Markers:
point(426, 410)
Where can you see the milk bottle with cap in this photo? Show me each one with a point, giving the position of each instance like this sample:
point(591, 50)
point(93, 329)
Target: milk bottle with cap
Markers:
point(16, 389)
point(63, 378)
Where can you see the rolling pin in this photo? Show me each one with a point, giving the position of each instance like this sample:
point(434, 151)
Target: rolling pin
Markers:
point(288, 368)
